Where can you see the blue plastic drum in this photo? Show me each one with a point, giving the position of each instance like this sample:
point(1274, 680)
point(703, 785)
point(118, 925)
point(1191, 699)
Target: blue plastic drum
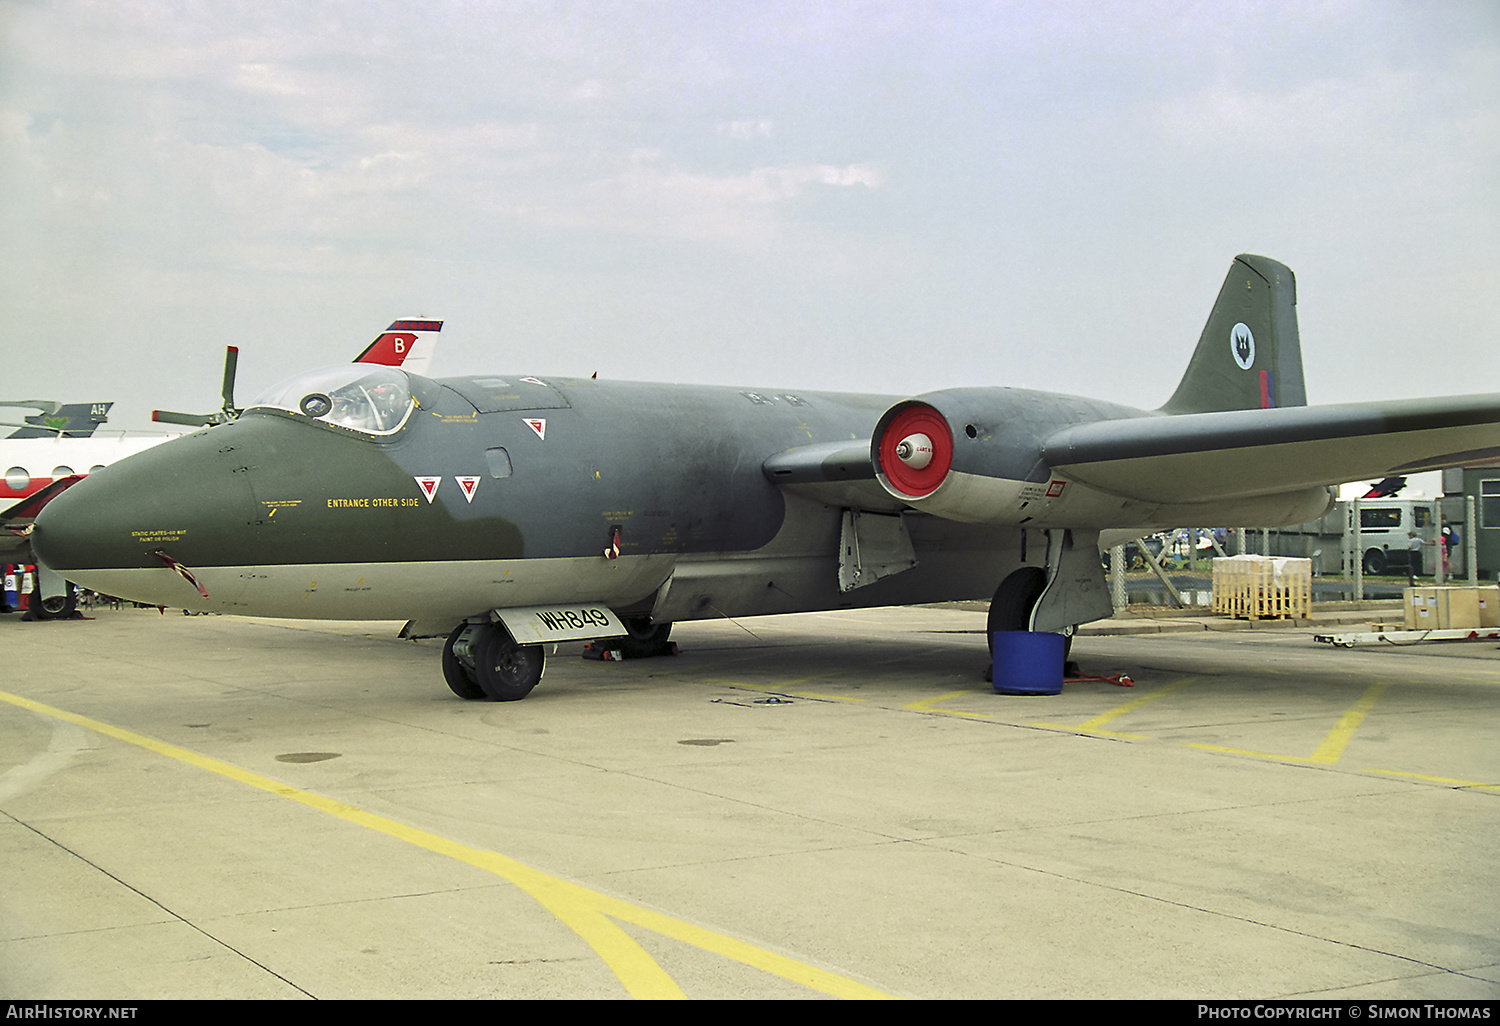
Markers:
point(1028, 663)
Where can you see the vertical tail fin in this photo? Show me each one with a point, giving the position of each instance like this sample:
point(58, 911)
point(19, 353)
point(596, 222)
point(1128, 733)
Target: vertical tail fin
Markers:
point(61, 420)
point(1249, 356)
point(408, 344)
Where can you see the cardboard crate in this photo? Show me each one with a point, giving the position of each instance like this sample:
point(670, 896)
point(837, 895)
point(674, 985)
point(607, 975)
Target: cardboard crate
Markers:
point(1489, 606)
point(1457, 608)
point(1420, 605)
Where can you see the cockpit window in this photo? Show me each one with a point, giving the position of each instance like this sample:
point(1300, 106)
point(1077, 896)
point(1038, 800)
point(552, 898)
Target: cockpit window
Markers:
point(358, 396)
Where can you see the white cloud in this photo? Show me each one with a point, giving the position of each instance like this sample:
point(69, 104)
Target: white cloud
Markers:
point(757, 128)
point(818, 176)
point(589, 90)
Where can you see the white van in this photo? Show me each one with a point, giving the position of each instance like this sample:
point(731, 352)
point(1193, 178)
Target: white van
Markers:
point(1385, 525)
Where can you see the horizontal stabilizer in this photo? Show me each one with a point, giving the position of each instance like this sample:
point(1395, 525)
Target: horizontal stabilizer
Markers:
point(1194, 457)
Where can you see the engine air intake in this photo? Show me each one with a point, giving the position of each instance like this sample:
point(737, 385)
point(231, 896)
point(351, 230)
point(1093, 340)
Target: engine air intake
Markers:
point(914, 449)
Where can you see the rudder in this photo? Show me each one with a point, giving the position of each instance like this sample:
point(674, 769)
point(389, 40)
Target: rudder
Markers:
point(1249, 356)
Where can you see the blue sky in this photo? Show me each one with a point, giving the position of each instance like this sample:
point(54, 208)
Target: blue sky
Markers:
point(884, 197)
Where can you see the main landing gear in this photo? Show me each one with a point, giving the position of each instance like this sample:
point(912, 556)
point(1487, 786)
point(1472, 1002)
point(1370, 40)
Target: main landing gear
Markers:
point(53, 607)
point(645, 639)
point(481, 661)
point(1010, 610)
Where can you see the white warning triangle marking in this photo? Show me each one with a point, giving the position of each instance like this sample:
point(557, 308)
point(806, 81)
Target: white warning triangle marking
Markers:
point(429, 485)
point(539, 425)
point(467, 486)
point(535, 381)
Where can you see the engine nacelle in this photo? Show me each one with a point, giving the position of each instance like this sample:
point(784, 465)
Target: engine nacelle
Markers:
point(971, 454)
point(976, 455)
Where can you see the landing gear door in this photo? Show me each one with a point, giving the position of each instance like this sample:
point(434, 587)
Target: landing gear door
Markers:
point(1076, 591)
point(534, 625)
point(872, 546)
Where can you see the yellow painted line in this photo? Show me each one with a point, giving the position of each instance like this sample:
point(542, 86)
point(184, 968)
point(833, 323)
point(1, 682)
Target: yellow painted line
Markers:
point(1096, 725)
point(1336, 740)
point(586, 912)
point(1475, 784)
point(930, 705)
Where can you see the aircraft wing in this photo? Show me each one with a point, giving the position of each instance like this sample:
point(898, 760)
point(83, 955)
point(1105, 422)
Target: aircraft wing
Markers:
point(836, 473)
point(1191, 457)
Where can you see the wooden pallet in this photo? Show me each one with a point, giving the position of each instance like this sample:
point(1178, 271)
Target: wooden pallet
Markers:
point(1262, 587)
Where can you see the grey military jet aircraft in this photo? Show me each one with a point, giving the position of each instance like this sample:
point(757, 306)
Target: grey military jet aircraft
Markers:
point(509, 511)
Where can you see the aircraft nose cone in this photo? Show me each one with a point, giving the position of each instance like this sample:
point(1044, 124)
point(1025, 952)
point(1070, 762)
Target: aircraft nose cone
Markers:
point(181, 498)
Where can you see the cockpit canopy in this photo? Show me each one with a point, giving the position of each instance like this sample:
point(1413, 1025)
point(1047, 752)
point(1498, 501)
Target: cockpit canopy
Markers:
point(362, 397)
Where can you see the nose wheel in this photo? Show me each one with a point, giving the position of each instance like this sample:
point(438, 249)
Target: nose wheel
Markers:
point(481, 661)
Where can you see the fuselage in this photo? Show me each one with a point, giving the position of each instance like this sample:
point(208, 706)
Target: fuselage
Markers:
point(485, 493)
point(495, 492)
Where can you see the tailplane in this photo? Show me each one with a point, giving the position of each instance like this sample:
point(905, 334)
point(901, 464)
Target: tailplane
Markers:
point(1249, 356)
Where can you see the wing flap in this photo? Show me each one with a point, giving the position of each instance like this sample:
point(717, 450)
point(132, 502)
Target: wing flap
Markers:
point(1193, 457)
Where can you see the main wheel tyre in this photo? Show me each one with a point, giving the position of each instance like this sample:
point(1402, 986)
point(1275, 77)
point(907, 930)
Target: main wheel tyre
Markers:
point(644, 638)
point(506, 671)
point(460, 681)
point(1010, 609)
point(54, 607)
